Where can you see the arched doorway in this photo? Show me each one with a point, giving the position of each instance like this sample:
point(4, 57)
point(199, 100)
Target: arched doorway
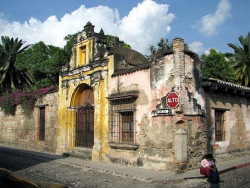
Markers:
point(84, 132)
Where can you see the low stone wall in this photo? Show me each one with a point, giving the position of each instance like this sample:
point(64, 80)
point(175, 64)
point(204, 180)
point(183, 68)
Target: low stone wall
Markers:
point(22, 132)
point(232, 155)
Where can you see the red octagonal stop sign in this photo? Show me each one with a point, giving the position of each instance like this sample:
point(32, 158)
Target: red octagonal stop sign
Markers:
point(172, 100)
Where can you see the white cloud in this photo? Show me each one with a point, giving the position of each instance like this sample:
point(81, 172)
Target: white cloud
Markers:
point(196, 47)
point(144, 25)
point(207, 52)
point(209, 23)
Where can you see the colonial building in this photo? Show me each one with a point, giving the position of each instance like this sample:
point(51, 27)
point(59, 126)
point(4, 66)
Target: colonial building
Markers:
point(157, 114)
point(115, 105)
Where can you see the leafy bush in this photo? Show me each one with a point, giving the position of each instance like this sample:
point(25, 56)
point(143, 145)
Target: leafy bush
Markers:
point(8, 104)
point(26, 100)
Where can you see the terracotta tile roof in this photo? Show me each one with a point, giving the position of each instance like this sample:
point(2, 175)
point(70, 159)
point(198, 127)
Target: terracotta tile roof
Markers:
point(216, 84)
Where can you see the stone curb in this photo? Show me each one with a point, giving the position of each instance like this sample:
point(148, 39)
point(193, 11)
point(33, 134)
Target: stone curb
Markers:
point(115, 173)
point(152, 180)
point(54, 157)
point(242, 165)
point(222, 171)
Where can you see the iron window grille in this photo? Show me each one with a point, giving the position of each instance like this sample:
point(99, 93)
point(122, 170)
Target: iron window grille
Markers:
point(122, 125)
point(219, 125)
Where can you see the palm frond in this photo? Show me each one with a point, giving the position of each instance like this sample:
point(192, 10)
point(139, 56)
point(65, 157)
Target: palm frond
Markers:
point(240, 60)
point(10, 76)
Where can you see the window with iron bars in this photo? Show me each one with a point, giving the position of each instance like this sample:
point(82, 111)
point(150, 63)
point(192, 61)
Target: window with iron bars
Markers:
point(219, 125)
point(122, 121)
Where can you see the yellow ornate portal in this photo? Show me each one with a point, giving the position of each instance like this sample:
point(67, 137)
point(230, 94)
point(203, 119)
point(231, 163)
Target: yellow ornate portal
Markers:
point(88, 84)
point(83, 108)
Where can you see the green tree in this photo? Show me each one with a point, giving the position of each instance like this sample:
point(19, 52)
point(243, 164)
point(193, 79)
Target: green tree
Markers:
point(240, 60)
point(11, 77)
point(155, 51)
point(112, 39)
point(70, 41)
point(44, 63)
point(162, 45)
point(215, 65)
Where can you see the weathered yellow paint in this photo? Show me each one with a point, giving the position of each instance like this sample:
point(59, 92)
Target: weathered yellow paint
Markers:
point(84, 53)
point(70, 95)
point(105, 112)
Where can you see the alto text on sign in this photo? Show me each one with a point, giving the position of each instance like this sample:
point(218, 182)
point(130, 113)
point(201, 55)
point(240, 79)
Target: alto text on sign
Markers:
point(172, 100)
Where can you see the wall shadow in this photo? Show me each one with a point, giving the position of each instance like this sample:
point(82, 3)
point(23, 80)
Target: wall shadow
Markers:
point(18, 159)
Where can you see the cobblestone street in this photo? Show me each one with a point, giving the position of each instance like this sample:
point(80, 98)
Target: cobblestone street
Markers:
point(40, 169)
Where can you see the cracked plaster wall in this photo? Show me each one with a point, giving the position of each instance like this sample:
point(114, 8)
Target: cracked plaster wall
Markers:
point(237, 117)
point(155, 134)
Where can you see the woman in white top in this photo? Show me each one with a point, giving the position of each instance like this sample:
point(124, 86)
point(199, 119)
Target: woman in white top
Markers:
point(207, 165)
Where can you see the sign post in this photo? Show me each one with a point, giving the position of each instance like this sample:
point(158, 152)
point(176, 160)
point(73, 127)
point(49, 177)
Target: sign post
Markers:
point(172, 100)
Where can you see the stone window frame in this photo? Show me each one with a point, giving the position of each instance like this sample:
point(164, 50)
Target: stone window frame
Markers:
point(122, 106)
point(41, 128)
point(222, 112)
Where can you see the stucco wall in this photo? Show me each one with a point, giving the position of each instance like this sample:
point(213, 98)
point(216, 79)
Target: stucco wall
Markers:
point(155, 134)
point(23, 132)
point(237, 118)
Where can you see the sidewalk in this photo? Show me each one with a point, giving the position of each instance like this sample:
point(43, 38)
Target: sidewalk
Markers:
point(138, 172)
point(152, 175)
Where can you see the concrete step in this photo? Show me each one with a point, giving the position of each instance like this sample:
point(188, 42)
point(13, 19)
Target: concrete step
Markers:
point(81, 153)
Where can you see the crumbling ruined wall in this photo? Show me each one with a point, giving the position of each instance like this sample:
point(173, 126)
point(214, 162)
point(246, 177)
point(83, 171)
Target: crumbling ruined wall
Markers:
point(178, 72)
point(19, 131)
point(156, 133)
point(237, 127)
point(134, 82)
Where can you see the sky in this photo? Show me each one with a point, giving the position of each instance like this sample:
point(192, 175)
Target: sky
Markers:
point(203, 24)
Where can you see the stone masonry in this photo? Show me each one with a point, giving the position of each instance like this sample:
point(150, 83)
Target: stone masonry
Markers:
point(22, 132)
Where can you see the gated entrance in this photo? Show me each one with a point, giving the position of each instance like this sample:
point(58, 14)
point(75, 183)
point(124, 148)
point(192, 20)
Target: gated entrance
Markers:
point(84, 136)
point(85, 127)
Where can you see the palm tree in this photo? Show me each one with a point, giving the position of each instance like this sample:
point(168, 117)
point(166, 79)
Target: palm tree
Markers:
point(10, 76)
point(240, 60)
